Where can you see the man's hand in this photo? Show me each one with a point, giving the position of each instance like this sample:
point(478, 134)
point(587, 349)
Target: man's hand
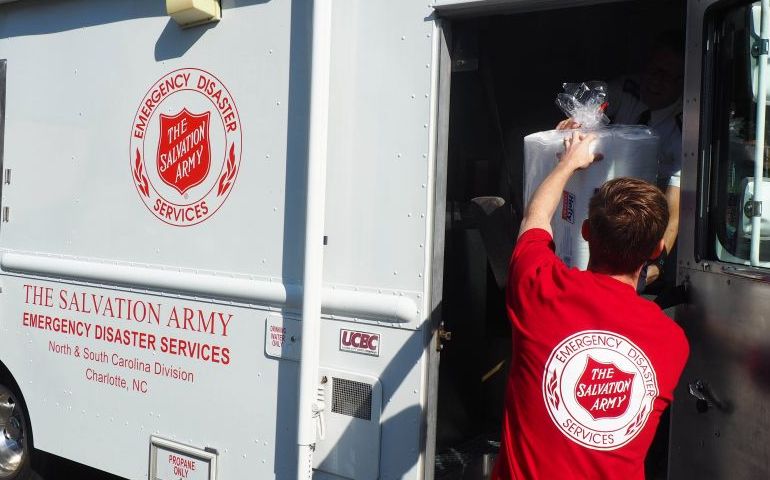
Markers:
point(578, 153)
point(567, 124)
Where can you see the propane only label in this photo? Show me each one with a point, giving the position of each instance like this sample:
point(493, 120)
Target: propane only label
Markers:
point(173, 466)
point(171, 461)
point(360, 342)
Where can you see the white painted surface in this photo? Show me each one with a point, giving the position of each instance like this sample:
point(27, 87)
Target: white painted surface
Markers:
point(77, 72)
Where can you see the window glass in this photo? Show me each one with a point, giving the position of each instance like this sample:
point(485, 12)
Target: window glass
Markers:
point(733, 127)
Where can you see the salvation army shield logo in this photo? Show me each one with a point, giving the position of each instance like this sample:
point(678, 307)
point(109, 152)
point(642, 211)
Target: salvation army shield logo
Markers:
point(185, 148)
point(599, 389)
point(184, 152)
point(603, 388)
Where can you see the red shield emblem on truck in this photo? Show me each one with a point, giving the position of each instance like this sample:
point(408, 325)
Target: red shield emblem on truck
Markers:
point(603, 389)
point(184, 150)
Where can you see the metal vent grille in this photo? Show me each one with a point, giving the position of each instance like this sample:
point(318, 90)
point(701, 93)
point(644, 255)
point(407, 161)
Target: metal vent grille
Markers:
point(352, 398)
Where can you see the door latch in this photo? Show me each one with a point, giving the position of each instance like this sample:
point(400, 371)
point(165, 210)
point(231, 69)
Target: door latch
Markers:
point(705, 397)
point(442, 335)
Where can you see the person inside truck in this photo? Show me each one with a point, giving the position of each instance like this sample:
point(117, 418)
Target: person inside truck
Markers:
point(594, 364)
point(654, 98)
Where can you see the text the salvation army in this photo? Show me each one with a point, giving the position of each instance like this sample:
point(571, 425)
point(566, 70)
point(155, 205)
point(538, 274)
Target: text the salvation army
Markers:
point(140, 311)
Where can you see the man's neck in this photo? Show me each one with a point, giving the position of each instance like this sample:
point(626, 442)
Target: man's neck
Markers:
point(630, 279)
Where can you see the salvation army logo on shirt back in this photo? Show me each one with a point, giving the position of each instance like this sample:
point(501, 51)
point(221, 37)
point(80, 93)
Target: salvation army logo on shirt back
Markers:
point(603, 389)
point(599, 389)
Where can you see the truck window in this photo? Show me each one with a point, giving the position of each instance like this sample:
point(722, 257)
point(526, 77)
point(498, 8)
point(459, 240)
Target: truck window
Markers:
point(735, 130)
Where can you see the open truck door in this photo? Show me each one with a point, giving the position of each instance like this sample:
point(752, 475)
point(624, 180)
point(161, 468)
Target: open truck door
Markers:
point(720, 418)
point(502, 63)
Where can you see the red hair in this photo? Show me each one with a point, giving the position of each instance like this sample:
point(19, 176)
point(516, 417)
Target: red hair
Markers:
point(627, 218)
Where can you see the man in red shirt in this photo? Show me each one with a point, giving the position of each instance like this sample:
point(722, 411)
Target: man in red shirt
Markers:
point(594, 365)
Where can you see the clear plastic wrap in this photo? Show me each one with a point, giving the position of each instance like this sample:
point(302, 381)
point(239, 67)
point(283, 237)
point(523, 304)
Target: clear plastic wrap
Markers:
point(584, 103)
point(629, 151)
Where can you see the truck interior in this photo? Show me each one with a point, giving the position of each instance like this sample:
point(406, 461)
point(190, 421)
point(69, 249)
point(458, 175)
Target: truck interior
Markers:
point(507, 69)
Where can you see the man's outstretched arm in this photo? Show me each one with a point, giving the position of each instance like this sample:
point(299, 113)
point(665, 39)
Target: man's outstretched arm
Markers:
point(577, 155)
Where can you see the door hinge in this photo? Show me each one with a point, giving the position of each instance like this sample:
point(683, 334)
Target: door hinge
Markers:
point(752, 209)
point(442, 335)
point(760, 47)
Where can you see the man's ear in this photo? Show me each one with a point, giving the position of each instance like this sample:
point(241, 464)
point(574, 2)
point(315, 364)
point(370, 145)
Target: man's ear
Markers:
point(658, 249)
point(585, 230)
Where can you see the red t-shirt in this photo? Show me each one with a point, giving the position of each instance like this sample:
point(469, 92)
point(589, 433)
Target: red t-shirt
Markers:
point(594, 366)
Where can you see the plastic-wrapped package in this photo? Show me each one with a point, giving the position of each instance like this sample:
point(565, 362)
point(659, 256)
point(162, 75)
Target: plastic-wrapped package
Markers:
point(629, 151)
point(585, 103)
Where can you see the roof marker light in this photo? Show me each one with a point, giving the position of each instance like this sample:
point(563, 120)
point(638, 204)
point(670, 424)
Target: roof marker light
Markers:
point(189, 13)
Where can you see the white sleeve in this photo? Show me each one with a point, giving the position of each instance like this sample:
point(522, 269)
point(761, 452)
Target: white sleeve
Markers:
point(675, 179)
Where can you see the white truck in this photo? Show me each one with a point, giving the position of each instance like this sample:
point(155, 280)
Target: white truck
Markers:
point(236, 238)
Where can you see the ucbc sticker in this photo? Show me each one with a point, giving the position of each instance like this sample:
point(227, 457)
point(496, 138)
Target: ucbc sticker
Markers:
point(185, 147)
point(360, 342)
point(599, 389)
point(568, 206)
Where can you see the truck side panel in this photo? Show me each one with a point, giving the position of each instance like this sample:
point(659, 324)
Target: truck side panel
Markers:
point(103, 282)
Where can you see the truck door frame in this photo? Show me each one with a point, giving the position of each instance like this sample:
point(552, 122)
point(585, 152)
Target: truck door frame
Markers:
point(3, 69)
point(445, 11)
point(725, 299)
point(693, 153)
point(476, 8)
point(441, 85)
